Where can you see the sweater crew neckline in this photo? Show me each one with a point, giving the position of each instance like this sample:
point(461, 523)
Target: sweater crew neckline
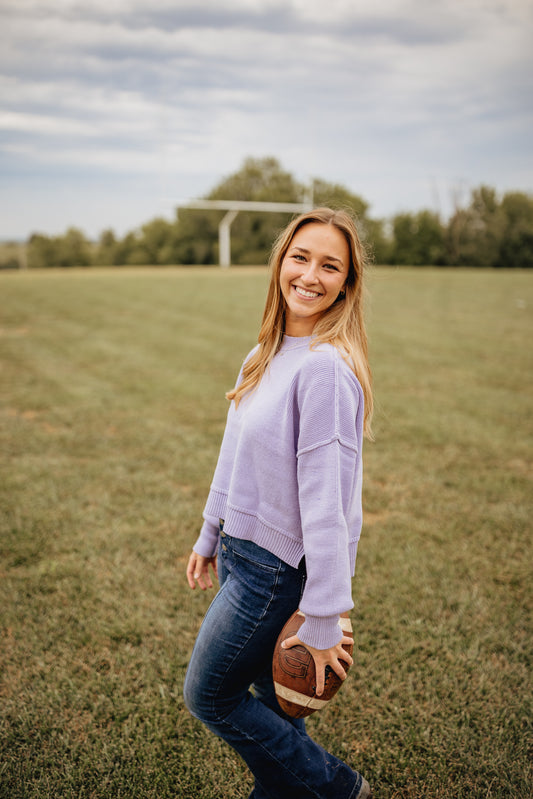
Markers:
point(295, 342)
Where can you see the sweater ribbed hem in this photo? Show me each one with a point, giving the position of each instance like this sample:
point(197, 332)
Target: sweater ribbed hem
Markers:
point(250, 527)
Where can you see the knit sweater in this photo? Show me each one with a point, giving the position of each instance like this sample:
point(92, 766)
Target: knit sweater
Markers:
point(289, 477)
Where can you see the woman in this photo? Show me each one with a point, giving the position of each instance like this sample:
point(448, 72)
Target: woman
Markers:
point(284, 510)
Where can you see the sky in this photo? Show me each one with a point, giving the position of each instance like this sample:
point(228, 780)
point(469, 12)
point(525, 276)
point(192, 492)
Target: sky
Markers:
point(114, 111)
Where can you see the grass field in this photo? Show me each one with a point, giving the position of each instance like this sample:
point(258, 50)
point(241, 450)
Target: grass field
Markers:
point(112, 410)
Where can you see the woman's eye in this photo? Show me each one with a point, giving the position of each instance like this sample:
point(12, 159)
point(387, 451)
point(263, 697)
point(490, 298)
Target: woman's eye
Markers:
point(331, 267)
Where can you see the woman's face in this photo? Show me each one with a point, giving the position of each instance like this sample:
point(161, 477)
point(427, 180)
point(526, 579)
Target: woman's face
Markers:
point(313, 273)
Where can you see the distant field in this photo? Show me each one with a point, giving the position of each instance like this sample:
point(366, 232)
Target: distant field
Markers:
point(112, 410)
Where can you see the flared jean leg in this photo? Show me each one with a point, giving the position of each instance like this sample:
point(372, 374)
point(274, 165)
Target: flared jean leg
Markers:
point(263, 690)
point(258, 593)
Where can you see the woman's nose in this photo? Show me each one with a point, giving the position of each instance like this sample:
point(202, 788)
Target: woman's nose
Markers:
point(310, 273)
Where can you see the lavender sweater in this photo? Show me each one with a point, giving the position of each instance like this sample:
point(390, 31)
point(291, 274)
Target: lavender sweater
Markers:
point(289, 477)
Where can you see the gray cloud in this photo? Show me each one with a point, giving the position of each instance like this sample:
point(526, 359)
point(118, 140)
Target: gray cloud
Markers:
point(390, 100)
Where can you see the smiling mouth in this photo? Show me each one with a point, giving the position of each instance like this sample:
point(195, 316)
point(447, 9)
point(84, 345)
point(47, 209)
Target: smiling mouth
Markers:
point(310, 295)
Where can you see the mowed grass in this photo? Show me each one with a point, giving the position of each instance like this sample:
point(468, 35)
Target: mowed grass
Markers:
point(112, 411)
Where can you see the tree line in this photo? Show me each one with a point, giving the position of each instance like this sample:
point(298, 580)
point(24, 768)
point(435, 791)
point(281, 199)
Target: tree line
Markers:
point(490, 231)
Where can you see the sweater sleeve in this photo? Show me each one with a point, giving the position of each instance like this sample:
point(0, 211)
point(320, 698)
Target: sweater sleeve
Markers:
point(207, 542)
point(329, 465)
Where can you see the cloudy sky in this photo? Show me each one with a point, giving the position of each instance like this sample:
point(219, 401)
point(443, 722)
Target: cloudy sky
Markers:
point(111, 110)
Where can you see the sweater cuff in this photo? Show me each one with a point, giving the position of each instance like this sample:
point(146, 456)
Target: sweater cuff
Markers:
point(321, 632)
point(207, 542)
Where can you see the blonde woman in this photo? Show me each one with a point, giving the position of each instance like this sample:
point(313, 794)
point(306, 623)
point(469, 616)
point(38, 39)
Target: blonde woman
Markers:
point(283, 516)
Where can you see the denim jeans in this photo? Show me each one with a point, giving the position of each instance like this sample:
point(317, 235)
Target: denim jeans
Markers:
point(233, 651)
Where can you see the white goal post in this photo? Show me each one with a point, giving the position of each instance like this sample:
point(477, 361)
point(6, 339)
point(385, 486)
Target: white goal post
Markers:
point(232, 208)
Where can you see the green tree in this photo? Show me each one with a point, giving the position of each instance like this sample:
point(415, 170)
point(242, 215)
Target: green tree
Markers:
point(73, 249)
point(261, 180)
point(418, 239)
point(475, 234)
point(517, 243)
point(12, 255)
point(157, 239)
point(377, 242)
point(42, 251)
point(106, 249)
point(196, 237)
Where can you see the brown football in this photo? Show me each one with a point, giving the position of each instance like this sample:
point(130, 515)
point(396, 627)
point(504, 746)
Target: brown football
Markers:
point(294, 676)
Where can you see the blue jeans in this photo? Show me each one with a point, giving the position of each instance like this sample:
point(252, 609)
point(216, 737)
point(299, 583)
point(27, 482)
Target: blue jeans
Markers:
point(233, 651)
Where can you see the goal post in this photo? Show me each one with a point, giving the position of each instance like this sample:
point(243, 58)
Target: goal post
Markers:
point(232, 208)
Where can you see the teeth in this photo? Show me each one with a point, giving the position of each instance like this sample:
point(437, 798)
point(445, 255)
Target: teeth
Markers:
point(306, 293)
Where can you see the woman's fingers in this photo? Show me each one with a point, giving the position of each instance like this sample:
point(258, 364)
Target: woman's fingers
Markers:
point(345, 656)
point(191, 568)
point(336, 658)
point(198, 571)
point(203, 577)
point(292, 641)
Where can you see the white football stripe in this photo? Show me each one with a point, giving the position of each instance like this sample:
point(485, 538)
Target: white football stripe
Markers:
point(297, 698)
point(346, 625)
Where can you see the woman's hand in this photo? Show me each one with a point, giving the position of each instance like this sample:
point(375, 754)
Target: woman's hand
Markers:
point(198, 570)
point(325, 657)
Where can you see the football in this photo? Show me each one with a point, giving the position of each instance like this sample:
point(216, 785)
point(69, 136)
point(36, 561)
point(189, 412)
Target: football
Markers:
point(294, 676)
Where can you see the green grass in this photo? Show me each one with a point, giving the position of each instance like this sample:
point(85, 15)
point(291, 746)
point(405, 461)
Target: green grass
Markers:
point(112, 410)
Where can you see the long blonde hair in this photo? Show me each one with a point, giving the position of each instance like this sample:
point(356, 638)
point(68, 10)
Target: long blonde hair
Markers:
point(341, 325)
